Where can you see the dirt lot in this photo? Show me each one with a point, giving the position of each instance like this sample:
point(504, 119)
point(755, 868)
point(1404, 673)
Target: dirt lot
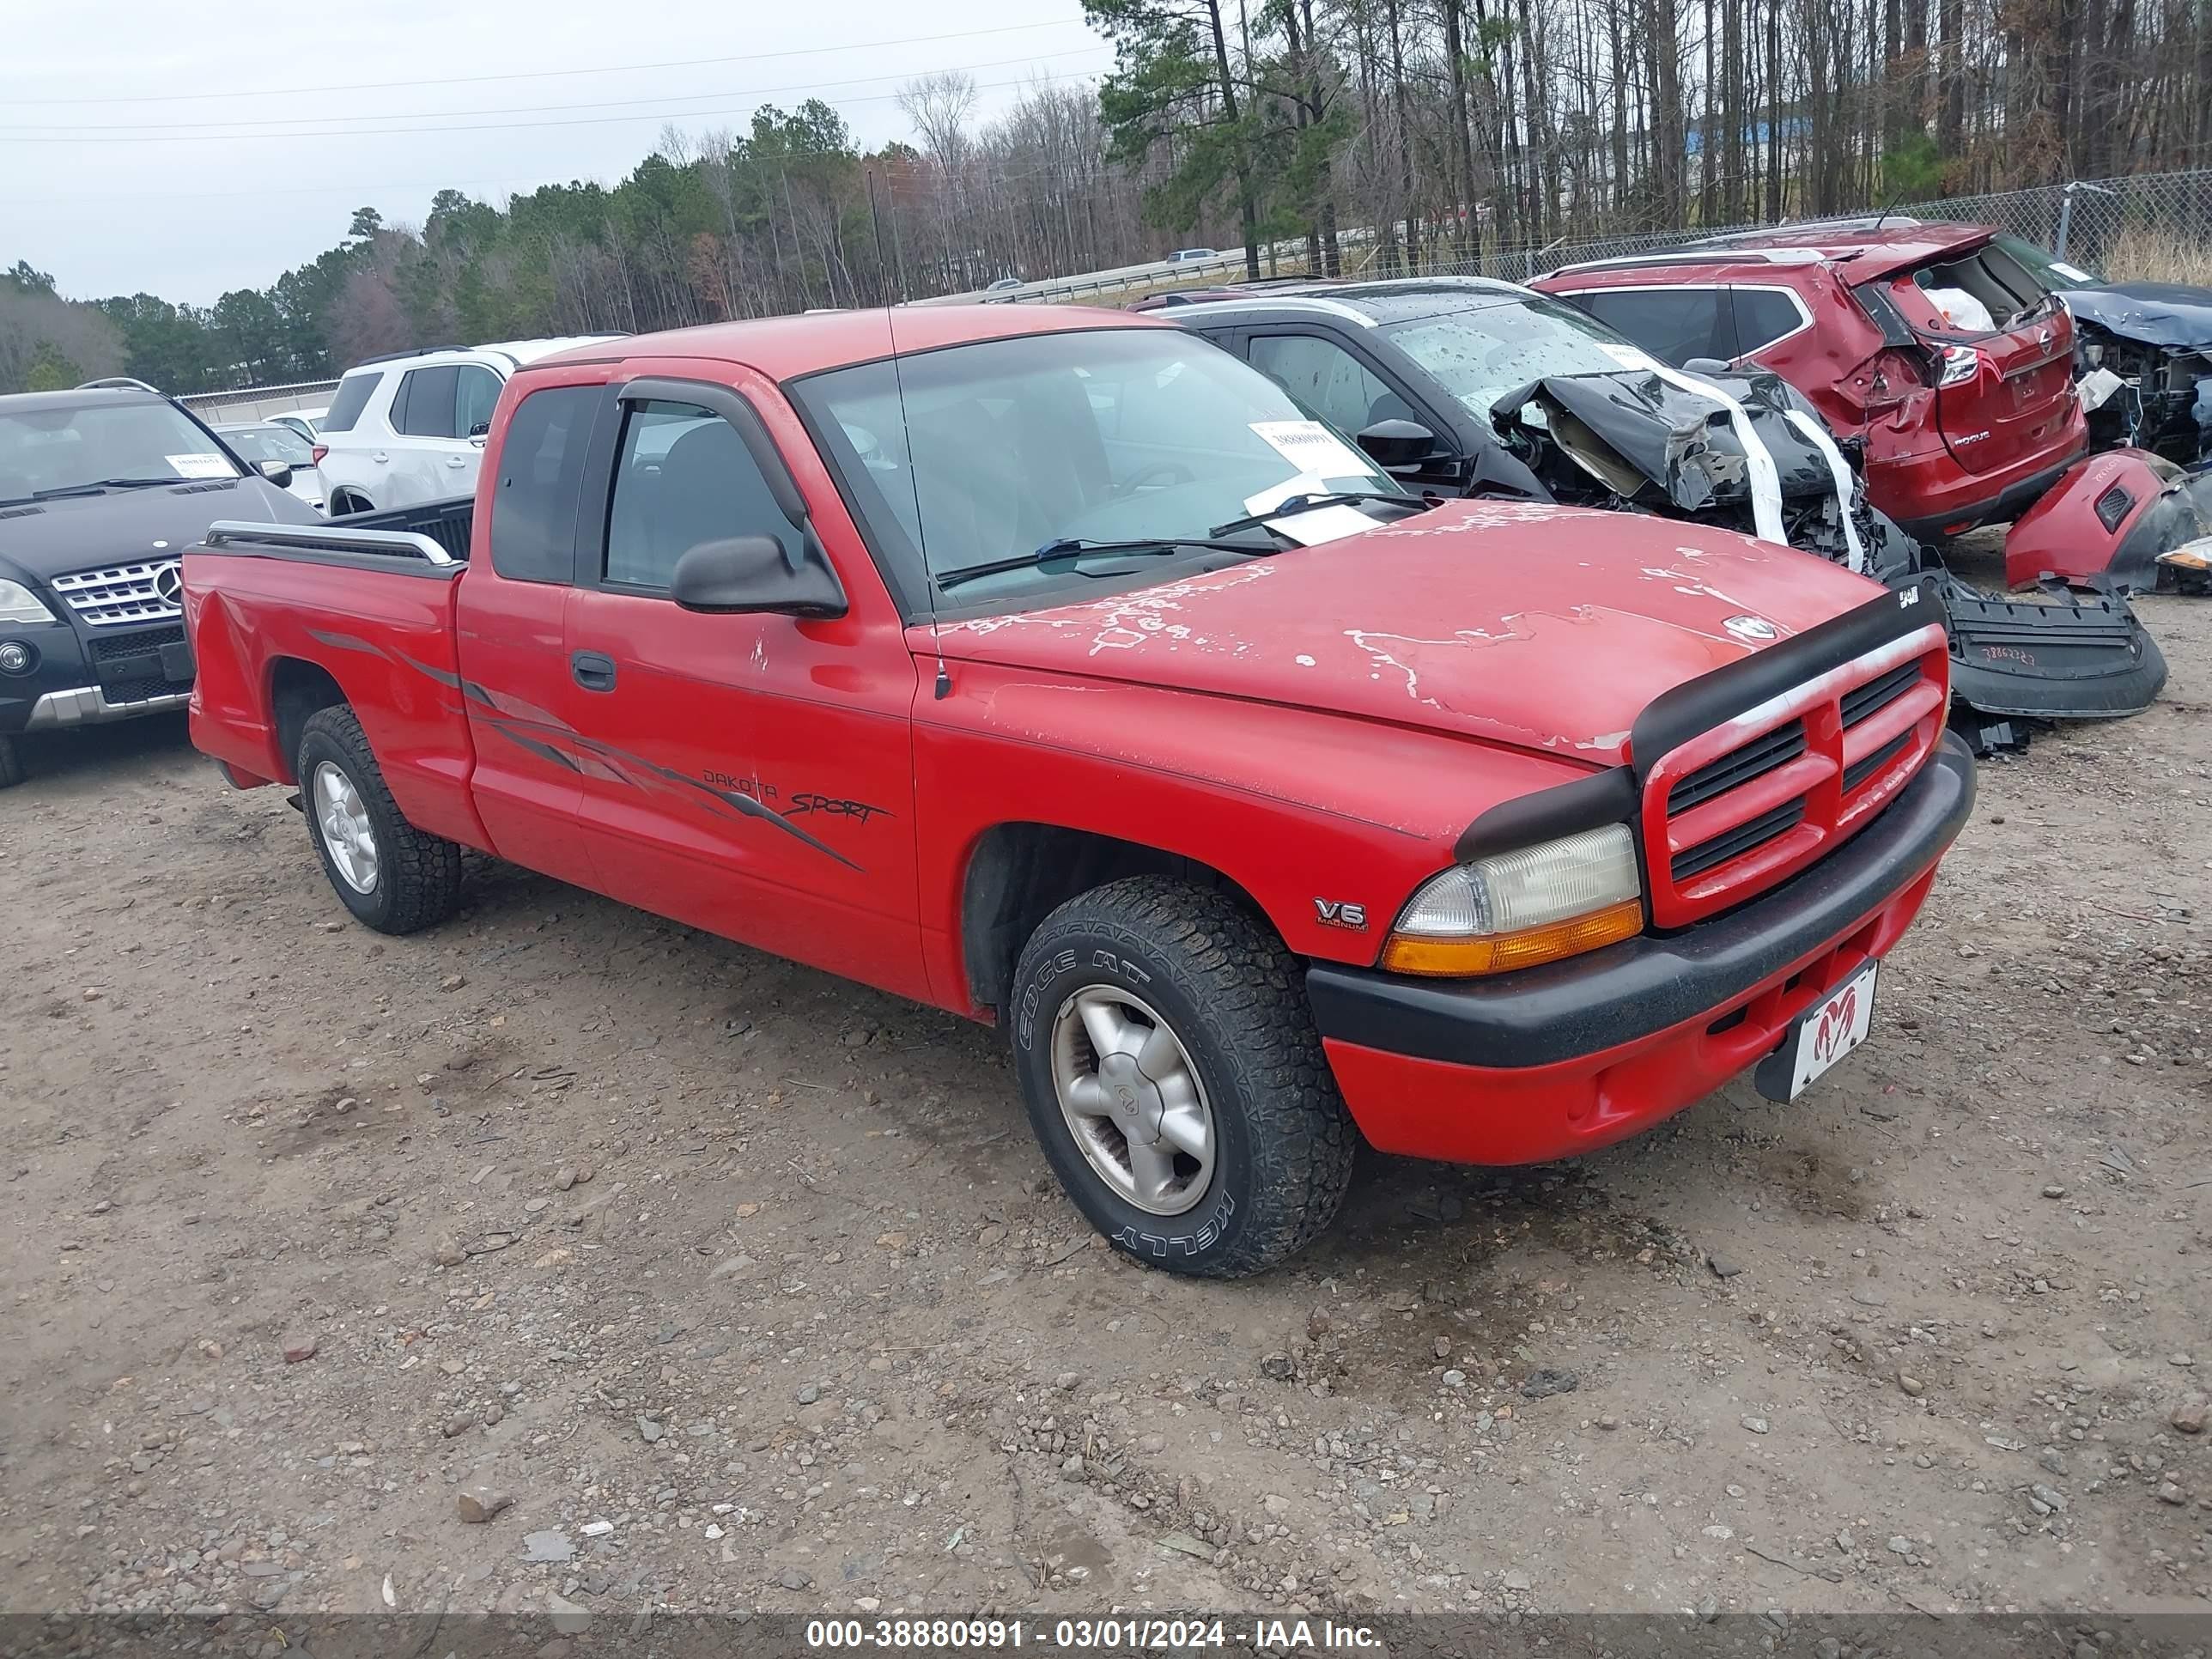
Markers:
point(750, 1288)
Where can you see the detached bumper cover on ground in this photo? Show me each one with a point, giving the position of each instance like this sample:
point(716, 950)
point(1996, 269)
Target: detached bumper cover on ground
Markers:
point(2081, 658)
point(1564, 1059)
point(2115, 521)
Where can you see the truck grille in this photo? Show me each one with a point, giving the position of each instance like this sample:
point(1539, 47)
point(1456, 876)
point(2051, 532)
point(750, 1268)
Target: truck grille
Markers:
point(119, 594)
point(1728, 814)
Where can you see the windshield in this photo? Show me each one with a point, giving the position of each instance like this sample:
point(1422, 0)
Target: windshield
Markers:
point(1483, 352)
point(269, 443)
point(1007, 446)
point(2049, 269)
point(71, 448)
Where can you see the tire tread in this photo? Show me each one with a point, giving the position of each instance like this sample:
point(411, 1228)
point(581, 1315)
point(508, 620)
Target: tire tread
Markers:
point(422, 872)
point(1304, 1141)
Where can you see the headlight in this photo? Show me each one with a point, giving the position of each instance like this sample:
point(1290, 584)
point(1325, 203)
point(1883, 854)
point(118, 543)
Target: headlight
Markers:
point(19, 605)
point(1517, 909)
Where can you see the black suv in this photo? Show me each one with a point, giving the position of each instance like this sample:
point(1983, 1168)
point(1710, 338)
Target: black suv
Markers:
point(101, 489)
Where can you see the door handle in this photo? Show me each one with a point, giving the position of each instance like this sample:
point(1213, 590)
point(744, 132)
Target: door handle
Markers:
point(593, 670)
point(379, 456)
point(456, 460)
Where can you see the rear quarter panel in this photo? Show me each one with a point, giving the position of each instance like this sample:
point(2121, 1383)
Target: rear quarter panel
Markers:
point(368, 629)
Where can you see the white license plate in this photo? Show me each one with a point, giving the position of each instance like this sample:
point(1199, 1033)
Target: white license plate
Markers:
point(1823, 1035)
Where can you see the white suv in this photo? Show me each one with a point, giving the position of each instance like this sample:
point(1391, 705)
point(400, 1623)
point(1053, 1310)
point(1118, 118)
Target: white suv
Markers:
point(410, 427)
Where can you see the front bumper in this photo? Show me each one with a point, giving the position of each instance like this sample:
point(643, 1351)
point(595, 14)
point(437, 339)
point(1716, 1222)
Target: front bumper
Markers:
point(83, 679)
point(88, 705)
point(1565, 1059)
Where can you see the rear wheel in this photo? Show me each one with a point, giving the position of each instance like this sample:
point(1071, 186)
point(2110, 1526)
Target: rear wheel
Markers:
point(1173, 1076)
point(390, 875)
point(11, 764)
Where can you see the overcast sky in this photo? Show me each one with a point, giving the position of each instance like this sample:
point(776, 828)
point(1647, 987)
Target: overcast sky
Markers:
point(185, 151)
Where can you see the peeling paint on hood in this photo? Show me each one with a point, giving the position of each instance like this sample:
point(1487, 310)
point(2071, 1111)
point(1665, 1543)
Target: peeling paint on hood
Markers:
point(1548, 628)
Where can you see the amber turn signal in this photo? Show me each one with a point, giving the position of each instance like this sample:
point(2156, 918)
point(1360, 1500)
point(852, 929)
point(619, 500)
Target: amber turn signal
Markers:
point(1499, 953)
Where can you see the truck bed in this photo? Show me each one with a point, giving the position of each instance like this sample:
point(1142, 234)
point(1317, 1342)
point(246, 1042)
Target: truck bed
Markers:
point(279, 612)
point(445, 522)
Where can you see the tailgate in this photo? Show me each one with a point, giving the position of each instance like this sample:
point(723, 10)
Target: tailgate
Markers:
point(2013, 406)
point(2004, 347)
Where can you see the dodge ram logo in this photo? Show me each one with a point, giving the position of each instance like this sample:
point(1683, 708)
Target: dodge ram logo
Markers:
point(169, 585)
point(1834, 1026)
point(1750, 628)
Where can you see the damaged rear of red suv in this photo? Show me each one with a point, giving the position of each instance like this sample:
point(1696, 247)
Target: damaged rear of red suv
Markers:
point(1945, 357)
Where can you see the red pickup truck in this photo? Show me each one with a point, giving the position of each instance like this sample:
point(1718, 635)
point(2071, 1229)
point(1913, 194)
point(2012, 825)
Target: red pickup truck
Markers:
point(1048, 666)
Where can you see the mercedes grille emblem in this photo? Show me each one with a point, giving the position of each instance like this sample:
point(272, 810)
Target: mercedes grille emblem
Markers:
point(169, 585)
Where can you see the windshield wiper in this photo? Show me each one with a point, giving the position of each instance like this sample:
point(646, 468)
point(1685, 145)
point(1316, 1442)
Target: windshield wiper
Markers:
point(1295, 504)
point(1069, 547)
point(98, 485)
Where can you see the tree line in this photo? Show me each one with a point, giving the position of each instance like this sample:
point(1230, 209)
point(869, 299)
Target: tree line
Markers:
point(1447, 130)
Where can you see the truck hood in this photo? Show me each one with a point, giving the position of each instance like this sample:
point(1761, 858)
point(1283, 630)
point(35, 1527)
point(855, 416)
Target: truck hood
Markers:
point(1546, 629)
point(48, 539)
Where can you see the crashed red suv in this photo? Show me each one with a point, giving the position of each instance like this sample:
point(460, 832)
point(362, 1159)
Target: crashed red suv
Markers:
point(1940, 353)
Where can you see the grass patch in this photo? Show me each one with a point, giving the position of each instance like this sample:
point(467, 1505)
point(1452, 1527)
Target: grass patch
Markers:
point(2146, 253)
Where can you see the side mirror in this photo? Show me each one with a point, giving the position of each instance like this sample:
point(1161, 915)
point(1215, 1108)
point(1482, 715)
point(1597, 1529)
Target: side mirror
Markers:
point(277, 472)
point(1706, 366)
point(752, 574)
point(480, 429)
point(1398, 446)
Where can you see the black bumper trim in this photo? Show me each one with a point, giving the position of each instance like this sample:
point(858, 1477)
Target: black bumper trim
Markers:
point(1542, 1015)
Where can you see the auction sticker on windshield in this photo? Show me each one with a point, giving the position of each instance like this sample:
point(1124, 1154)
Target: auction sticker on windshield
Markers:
point(1823, 1035)
point(1315, 524)
point(1312, 447)
point(1626, 357)
point(199, 466)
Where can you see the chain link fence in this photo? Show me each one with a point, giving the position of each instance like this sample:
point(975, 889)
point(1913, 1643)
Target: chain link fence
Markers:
point(2082, 221)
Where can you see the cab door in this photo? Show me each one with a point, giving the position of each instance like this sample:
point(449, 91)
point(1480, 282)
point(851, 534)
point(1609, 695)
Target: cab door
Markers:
point(752, 775)
point(511, 629)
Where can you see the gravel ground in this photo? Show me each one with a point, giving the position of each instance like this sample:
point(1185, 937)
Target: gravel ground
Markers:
point(714, 1283)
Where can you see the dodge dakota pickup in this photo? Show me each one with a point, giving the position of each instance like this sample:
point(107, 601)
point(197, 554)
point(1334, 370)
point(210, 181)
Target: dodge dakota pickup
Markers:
point(1051, 667)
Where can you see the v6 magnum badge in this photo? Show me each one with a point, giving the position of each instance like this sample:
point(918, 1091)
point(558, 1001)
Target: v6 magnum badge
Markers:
point(1336, 912)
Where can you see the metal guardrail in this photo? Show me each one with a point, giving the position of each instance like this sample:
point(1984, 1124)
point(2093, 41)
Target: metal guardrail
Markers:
point(254, 403)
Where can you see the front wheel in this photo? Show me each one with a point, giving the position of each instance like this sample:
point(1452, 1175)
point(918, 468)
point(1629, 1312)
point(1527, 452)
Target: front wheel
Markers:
point(390, 874)
point(1173, 1075)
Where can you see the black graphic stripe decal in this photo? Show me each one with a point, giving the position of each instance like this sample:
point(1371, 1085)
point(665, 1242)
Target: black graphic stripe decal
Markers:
point(543, 750)
point(344, 643)
point(542, 734)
